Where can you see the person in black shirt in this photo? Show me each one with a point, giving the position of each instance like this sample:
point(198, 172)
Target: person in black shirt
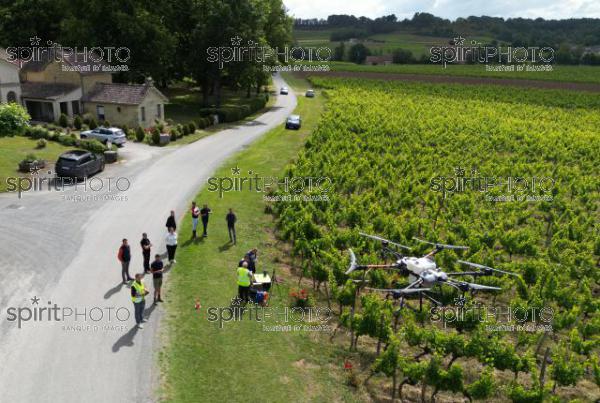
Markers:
point(171, 223)
point(157, 275)
point(251, 257)
point(204, 214)
point(124, 257)
point(231, 219)
point(146, 246)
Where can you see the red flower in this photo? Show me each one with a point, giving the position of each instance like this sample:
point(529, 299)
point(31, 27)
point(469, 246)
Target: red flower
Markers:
point(347, 365)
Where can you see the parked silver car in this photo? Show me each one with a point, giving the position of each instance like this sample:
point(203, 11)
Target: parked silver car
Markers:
point(105, 134)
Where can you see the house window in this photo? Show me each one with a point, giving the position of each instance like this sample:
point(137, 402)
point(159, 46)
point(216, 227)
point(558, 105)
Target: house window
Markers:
point(75, 107)
point(119, 109)
point(158, 114)
point(11, 97)
point(143, 113)
point(100, 112)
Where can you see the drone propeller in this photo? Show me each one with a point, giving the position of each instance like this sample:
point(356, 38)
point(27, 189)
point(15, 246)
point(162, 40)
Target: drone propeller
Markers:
point(378, 238)
point(353, 264)
point(486, 269)
point(441, 245)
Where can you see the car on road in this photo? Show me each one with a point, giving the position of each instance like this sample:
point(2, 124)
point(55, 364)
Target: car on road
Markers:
point(293, 122)
point(78, 164)
point(284, 91)
point(310, 94)
point(106, 134)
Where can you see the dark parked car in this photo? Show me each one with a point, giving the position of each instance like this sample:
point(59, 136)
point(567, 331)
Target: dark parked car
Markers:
point(293, 122)
point(310, 94)
point(78, 164)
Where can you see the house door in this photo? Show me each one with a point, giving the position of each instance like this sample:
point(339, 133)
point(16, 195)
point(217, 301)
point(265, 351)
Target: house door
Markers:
point(64, 108)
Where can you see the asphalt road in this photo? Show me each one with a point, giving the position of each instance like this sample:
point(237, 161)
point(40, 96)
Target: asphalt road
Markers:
point(63, 252)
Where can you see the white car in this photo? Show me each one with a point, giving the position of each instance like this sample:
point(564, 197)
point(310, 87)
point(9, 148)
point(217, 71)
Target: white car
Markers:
point(283, 91)
point(105, 134)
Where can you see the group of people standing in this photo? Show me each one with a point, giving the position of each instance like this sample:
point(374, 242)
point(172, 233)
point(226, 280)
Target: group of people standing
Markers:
point(204, 214)
point(156, 268)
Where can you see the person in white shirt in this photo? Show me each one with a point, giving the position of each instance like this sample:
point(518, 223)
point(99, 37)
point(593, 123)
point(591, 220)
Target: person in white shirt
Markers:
point(171, 242)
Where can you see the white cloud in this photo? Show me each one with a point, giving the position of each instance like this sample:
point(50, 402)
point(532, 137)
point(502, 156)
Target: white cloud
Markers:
point(548, 9)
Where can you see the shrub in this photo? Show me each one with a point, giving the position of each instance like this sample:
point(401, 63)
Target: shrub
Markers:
point(63, 120)
point(92, 123)
point(13, 119)
point(93, 146)
point(155, 136)
point(160, 126)
point(192, 127)
point(38, 132)
point(184, 130)
point(66, 141)
point(77, 122)
point(125, 129)
point(30, 158)
point(140, 135)
point(106, 123)
point(42, 143)
point(174, 134)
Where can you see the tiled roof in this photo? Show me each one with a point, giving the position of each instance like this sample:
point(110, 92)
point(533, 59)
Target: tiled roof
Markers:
point(46, 90)
point(127, 94)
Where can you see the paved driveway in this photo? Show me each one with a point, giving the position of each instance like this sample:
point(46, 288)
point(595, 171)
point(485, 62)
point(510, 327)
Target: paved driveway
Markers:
point(64, 253)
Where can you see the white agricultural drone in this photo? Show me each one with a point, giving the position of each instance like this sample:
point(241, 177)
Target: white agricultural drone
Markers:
point(422, 272)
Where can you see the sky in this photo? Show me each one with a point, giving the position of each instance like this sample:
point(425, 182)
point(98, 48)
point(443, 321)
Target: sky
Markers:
point(451, 9)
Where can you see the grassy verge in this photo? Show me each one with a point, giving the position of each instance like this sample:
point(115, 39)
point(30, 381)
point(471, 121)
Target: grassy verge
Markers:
point(14, 149)
point(241, 362)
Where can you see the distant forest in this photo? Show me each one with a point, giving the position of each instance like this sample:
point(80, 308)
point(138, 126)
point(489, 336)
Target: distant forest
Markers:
point(577, 40)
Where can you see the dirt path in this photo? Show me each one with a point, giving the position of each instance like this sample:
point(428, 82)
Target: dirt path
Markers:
point(555, 85)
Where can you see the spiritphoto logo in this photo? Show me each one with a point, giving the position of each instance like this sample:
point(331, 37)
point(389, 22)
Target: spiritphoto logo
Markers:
point(496, 317)
point(496, 188)
point(291, 186)
point(81, 59)
point(272, 318)
point(253, 51)
point(459, 51)
point(71, 318)
point(89, 189)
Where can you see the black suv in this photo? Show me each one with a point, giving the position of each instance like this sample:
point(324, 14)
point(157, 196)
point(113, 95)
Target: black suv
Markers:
point(78, 164)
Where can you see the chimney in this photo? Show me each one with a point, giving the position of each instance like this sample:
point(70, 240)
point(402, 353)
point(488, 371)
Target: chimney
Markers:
point(149, 81)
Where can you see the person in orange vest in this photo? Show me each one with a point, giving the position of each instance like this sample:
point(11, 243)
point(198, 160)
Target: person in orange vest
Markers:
point(138, 296)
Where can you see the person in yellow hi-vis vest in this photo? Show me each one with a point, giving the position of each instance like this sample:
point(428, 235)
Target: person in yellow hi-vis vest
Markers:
point(244, 279)
point(138, 294)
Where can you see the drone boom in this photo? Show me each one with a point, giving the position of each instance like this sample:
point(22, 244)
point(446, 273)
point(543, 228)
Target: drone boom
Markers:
point(441, 245)
point(378, 238)
point(486, 268)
